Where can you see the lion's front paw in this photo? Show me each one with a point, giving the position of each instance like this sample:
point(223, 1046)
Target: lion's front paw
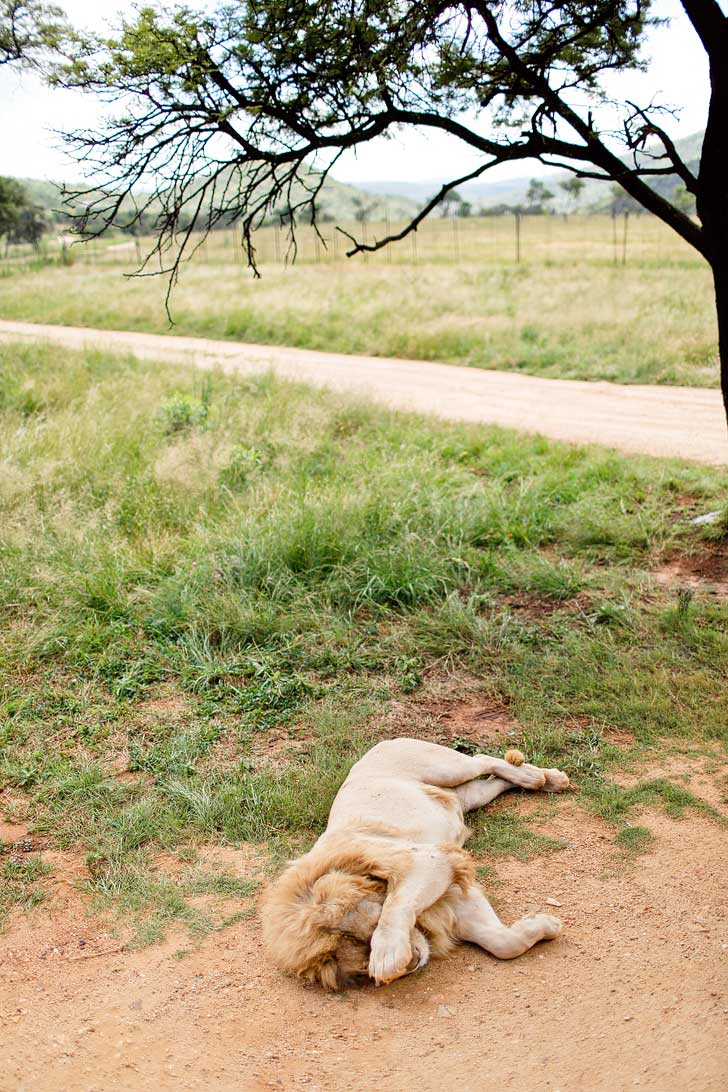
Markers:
point(391, 956)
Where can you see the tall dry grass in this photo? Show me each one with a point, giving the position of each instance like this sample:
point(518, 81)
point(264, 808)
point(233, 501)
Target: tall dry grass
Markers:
point(574, 314)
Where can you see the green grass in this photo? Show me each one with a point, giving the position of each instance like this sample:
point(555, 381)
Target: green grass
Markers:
point(567, 311)
point(179, 585)
point(19, 885)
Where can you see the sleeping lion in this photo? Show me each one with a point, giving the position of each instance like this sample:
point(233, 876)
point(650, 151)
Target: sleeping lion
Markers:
point(387, 885)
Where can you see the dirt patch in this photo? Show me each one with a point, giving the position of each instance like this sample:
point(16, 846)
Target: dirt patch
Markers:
point(706, 571)
point(164, 706)
point(618, 738)
point(534, 606)
point(278, 747)
point(704, 775)
point(12, 833)
point(480, 723)
point(632, 995)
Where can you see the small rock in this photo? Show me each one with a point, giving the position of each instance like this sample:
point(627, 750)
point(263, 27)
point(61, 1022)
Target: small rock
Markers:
point(553, 902)
point(709, 517)
point(445, 1011)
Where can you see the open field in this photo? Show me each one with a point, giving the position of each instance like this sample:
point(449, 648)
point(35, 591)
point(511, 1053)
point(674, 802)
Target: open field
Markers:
point(457, 295)
point(214, 595)
point(195, 570)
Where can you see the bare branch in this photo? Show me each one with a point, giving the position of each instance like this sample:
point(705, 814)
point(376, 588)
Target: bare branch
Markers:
point(415, 222)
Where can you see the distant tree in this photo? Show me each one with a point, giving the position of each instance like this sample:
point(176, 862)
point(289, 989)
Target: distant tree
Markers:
point(501, 209)
point(30, 227)
point(622, 202)
point(454, 204)
point(538, 196)
point(20, 220)
point(363, 210)
point(572, 187)
point(225, 110)
point(30, 31)
point(13, 200)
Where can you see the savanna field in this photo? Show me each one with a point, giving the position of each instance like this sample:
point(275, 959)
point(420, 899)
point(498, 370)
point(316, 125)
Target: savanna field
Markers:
point(590, 298)
point(217, 593)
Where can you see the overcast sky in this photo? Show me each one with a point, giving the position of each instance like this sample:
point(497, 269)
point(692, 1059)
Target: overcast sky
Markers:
point(29, 112)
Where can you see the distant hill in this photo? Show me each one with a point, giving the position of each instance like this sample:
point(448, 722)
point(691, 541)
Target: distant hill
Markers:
point(375, 201)
point(595, 197)
point(338, 201)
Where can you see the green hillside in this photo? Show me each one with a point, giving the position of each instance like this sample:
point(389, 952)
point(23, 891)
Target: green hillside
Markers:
point(338, 201)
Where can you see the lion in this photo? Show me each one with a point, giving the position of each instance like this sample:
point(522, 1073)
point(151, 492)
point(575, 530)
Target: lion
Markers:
point(388, 885)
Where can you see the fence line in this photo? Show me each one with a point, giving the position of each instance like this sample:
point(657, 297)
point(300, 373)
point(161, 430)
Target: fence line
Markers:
point(620, 239)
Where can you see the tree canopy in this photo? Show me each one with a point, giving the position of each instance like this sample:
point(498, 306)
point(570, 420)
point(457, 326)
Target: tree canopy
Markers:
point(29, 30)
point(225, 113)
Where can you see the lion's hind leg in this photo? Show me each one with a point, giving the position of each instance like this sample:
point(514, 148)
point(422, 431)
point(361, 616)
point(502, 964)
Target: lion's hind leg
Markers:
point(478, 923)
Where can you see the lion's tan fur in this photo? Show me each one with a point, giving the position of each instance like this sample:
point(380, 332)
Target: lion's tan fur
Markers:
point(388, 884)
point(304, 910)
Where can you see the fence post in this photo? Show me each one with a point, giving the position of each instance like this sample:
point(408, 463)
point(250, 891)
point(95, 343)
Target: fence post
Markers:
point(624, 238)
point(614, 235)
point(518, 234)
point(456, 238)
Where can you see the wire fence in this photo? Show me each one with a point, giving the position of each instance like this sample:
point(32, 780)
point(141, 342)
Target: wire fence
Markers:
point(620, 239)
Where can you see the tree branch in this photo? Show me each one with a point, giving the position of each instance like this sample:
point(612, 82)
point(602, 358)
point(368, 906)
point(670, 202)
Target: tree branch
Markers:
point(599, 154)
point(415, 222)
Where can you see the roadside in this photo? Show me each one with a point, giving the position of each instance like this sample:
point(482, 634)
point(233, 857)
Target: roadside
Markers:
point(682, 422)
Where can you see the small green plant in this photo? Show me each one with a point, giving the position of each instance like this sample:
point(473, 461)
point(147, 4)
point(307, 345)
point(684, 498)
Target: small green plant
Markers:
point(409, 674)
point(180, 412)
point(271, 697)
point(243, 464)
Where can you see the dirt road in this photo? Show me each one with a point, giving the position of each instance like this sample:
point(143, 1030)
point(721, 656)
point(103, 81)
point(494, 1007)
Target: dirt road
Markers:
point(669, 421)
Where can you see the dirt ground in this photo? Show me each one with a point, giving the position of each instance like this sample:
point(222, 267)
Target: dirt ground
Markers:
point(683, 422)
point(632, 996)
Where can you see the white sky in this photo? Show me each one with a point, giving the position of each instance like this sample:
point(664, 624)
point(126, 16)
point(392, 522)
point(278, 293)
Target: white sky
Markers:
point(677, 75)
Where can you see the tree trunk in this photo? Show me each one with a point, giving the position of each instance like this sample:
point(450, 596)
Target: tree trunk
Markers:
point(720, 279)
point(712, 195)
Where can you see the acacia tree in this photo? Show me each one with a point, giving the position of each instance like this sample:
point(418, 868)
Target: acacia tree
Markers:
point(225, 114)
point(29, 30)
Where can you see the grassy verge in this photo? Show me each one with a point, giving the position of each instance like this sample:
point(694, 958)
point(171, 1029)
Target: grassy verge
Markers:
point(575, 320)
point(211, 591)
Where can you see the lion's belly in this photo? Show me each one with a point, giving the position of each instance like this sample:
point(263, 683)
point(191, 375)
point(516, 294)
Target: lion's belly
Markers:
point(407, 808)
